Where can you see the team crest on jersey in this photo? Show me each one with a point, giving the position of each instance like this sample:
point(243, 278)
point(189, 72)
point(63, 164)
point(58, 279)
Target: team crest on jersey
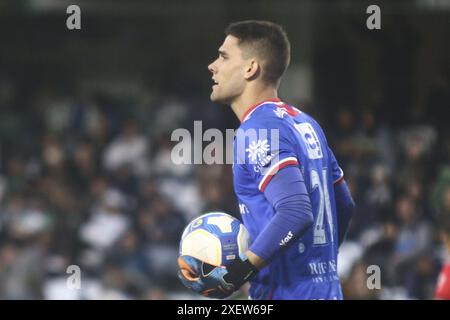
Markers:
point(257, 150)
point(258, 154)
point(280, 112)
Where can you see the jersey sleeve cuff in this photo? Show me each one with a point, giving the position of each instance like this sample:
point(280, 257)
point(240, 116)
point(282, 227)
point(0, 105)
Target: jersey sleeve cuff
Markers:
point(341, 177)
point(289, 161)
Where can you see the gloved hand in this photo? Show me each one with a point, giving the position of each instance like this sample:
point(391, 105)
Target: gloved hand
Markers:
point(214, 282)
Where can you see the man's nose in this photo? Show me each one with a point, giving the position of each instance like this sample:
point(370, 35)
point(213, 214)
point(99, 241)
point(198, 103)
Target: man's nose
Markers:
point(211, 67)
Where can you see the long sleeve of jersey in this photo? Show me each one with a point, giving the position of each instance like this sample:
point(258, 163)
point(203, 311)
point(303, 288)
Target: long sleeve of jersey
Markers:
point(287, 193)
point(344, 208)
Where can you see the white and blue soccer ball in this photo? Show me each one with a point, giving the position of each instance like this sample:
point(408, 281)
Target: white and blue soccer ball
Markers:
point(216, 238)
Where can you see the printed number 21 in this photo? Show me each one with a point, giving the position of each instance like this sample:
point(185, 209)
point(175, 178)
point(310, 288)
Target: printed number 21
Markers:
point(324, 206)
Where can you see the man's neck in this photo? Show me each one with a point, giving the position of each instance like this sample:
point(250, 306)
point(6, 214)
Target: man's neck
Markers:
point(245, 102)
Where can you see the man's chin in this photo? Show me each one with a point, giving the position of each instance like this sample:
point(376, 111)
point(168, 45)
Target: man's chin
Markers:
point(215, 98)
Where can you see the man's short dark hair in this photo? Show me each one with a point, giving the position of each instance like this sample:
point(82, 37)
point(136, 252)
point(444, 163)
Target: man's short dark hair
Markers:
point(268, 41)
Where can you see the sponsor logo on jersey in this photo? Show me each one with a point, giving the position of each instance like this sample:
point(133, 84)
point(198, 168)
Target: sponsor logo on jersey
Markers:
point(287, 239)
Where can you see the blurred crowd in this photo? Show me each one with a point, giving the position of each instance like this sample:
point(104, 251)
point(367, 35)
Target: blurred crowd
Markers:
point(89, 181)
point(86, 179)
point(400, 180)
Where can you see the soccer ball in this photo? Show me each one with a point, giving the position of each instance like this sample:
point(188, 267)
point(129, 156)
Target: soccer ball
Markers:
point(215, 238)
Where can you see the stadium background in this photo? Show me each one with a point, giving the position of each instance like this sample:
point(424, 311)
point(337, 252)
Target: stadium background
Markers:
point(86, 118)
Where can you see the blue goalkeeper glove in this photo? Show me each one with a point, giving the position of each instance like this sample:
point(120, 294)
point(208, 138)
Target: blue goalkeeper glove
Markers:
point(214, 282)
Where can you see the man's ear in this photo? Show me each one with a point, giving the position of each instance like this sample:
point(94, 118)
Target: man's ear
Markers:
point(252, 69)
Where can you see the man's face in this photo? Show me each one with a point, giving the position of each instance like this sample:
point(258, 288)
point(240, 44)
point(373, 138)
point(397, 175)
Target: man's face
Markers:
point(228, 72)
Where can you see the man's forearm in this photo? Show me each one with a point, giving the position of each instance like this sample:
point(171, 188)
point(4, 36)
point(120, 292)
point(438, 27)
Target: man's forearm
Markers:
point(288, 195)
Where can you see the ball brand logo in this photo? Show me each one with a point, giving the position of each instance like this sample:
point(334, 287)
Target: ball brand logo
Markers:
point(197, 223)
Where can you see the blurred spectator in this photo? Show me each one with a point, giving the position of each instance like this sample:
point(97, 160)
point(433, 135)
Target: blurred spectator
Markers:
point(107, 222)
point(417, 144)
point(22, 269)
point(356, 287)
point(441, 193)
point(161, 227)
point(169, 115)
point(16, 175)
point(83, 165)
point(413, 240)
point(344, 133)
point(176, 181)
point(160, 223)
point(128, 255)
point(129, 148)
point(378, 197)
point(381, 252)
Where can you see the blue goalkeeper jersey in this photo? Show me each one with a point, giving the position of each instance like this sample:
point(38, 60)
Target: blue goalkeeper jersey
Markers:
point(274, 135)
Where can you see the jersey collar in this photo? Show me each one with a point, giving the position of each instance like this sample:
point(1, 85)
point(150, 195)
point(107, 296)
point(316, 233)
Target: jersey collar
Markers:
point(252, 108)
